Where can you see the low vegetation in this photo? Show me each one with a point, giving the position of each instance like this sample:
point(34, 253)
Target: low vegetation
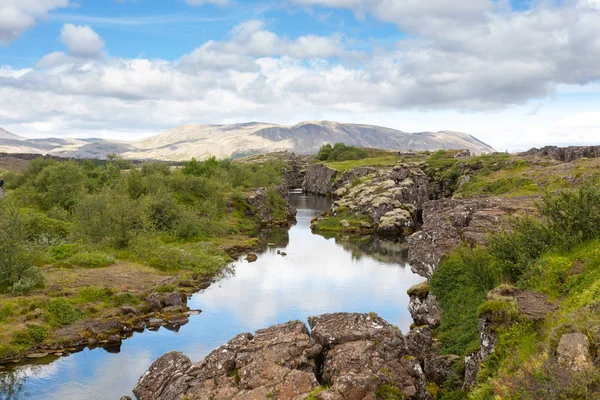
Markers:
point(60, 219)
point(558, 255)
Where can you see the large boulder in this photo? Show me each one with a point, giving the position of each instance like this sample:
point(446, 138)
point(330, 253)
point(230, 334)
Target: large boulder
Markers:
point(359, 355)
point(364, 354)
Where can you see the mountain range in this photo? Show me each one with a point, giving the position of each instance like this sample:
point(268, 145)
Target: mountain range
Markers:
point(237, 140)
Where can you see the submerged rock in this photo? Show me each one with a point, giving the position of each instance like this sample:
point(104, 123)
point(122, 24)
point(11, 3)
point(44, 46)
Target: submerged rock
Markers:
point(358, 354)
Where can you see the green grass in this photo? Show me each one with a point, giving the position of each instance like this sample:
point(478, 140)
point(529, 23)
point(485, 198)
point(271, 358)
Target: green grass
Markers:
point(334, 223)
point(343, 166)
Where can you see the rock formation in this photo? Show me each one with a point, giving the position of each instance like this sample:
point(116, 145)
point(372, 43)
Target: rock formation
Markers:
point(318, 179)
point(449, 222)
point(565, 154)
point(346, 357)
point(259, 207)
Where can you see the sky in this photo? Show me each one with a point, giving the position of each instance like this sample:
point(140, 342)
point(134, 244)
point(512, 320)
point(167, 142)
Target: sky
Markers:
point(515, 74)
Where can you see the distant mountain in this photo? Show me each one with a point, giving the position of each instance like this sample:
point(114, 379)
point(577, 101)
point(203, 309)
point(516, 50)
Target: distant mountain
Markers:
point(237, 140)
point(4, 134)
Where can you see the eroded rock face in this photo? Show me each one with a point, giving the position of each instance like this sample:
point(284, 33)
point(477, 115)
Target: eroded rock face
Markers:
point(390, 197)
point(260, 208)
point(318, 179)
point(365, 352)
point(355, 353)
point(534, 306)
point(425, 311)
point(449, 222)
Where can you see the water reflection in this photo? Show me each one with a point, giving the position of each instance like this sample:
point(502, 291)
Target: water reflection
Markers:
point(318, 275)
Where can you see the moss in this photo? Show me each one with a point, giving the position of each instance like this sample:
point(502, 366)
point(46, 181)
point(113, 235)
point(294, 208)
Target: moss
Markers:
point(313, 395)
point(434, 390)
point(498, 307)
point(389, 392)
point(235, 375)
point(420, 290)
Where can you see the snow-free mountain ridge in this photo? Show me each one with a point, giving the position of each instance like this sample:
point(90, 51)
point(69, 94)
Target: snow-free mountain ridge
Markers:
point(236, 140)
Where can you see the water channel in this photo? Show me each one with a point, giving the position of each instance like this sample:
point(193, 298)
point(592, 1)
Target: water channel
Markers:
point(318, 275)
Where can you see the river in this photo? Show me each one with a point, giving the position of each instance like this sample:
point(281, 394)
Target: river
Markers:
point(317, 275)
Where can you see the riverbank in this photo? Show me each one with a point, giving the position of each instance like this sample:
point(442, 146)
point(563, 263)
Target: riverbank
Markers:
point(93, 253)
point(492, 318)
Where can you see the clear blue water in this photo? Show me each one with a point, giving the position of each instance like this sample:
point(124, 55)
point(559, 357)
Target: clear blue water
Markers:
point(318, 275)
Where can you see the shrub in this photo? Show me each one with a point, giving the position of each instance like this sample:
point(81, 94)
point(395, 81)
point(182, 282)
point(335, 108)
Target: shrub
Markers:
point(17, 272)
point(125, 298)
point(460, 283)
point(62, 312)
point(63, 251)
point(573, 216)
point(37, 333)
point(94, 259)
point(92, 294)
point(111, 219)
point(516, 251)
point(59, 185)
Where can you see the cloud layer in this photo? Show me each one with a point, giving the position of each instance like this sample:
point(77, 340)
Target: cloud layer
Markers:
point(16, 16)
point(467, 55)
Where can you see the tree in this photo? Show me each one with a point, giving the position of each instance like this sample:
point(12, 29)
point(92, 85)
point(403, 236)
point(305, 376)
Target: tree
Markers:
point(59, 185)
point(17, 272)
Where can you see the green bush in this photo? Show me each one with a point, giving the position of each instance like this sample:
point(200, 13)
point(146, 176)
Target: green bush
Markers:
point(62, 312)
point(94, 259)
point(461, 283)
point(107, 219)
point(63, 251)
point(37, 333)
point(341, 152)
point(17, 272)
point(59, 185)
point(125, 298)
point(573, 216)
point(91, 294)
point(517, 250)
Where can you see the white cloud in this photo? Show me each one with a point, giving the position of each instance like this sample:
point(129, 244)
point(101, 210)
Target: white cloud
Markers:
point(16, 16)
point(472, 56)
point(81, 40)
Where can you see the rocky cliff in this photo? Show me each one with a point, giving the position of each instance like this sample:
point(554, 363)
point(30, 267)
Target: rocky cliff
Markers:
point(343, 357)
point(565, 154)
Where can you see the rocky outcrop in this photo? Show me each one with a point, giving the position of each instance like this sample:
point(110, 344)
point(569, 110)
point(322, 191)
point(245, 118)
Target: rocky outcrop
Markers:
point(565, 154)
point(574, 352)
point(356, 355)
point(449, 222)
point(423, 306)
point(390, 197)
point(261, 208)
point(534, 306)
point(318, 179)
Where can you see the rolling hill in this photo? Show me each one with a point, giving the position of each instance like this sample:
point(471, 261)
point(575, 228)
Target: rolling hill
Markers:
point(202, 141)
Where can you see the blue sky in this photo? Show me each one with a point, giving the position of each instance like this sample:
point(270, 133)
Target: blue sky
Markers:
point(515, 74)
